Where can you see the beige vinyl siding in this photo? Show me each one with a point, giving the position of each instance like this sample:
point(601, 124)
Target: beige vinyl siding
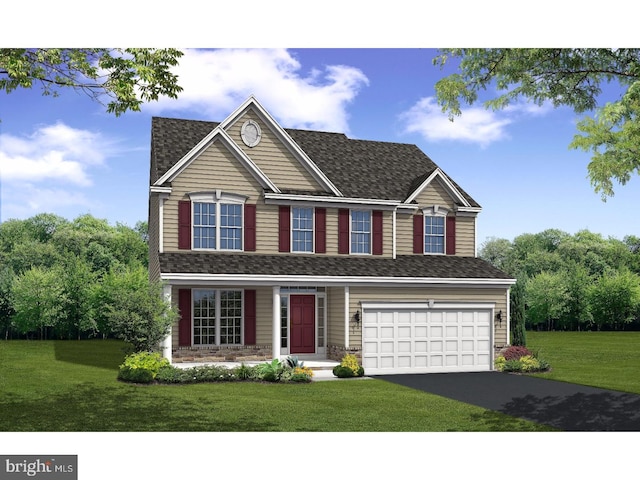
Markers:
point(229, 176)
point(264, 315)
point(332, 231)
point(420, 294)
point(154, 242)
point(267, 229)
point(435, 194)
point(465, 236)
point(335, 316)
point(404, 234)
point(273, 158)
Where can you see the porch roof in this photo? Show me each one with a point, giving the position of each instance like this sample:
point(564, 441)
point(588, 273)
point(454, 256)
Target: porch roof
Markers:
point(404, 266)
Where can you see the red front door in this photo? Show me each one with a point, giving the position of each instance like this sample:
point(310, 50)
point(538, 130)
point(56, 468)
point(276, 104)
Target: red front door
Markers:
point(303, 323)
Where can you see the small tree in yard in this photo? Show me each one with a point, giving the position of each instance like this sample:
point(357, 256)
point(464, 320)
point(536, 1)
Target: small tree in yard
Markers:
point(518, 332)
point(37, 300)
point(134, 310)
point(615, 299)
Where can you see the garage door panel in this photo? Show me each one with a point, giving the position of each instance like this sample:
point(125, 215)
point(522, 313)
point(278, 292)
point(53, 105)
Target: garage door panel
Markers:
point(405, 340)
point(404, 332)
point(420, 347)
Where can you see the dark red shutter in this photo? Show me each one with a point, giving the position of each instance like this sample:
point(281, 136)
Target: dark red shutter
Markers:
point(377, 232)
point(184, 225)
point(284, 241)
point(343, 230)
point(418, 234)
point(249, 228)
point(321, 230)
point(184, 327)
point(451, 236)
point(250, 317)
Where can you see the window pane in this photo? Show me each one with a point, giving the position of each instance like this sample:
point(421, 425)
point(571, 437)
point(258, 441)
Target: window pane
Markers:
point(204, 223)
point(284, 301)
point(230, 226)
point(302, 229)
point(360, 231)
point(433, 234)
point(230, 317)
point(204, 317)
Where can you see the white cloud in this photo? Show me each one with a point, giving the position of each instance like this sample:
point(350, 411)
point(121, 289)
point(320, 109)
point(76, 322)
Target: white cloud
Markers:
point(216, 81)
point(53, 152)
point(475, 125)
point(21, 200)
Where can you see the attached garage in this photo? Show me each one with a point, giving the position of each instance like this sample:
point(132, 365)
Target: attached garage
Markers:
point(426, 337)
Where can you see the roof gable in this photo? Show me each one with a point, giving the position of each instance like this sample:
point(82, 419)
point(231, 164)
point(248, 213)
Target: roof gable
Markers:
point(435, 178)
point(216, 135)
point(274, 157)
point(281, 134)
point(347, 167)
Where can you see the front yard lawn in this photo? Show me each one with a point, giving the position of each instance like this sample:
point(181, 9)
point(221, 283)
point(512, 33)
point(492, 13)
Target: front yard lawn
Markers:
point(599, 359)
point(71, 386)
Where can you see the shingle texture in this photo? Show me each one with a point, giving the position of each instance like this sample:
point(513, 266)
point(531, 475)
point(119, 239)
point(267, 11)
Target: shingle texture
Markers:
point(358, 168)
point(408, 266)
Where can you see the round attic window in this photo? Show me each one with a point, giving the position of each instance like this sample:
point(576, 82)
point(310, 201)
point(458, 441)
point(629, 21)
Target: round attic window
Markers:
point(250, 133)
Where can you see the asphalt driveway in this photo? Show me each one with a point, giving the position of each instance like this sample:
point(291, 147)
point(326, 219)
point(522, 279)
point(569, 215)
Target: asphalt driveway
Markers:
point(565, 406)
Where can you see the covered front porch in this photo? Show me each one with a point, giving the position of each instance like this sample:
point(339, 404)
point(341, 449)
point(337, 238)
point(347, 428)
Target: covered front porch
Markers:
point(255, 323)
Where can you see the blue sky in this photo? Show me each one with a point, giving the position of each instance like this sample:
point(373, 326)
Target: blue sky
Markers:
point(67, 156)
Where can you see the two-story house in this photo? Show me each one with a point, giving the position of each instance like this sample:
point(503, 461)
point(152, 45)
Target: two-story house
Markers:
point(275, 242)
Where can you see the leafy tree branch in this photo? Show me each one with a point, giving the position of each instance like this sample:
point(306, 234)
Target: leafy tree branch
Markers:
point(120, 79)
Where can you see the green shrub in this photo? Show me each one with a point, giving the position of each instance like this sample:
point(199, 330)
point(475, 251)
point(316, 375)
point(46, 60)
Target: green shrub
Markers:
point(270, 372)
point(135, 375)
point(245, 372)
point(524, 364)
point(348, 367)
point(346, 372)
point(300, 378)
point(171, 374)
point(141, 367)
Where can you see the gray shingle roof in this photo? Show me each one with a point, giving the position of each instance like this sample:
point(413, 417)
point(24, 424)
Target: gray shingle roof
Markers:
point(428, 266)
point(358, 168)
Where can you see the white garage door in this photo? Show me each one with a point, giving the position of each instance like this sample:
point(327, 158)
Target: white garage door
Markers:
point(418, 339)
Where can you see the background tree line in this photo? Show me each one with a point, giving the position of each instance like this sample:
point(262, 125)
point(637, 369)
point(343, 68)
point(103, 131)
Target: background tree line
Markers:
point(77, 279)
point(571, 282)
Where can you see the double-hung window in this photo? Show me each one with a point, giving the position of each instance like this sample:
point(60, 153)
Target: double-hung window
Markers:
point(217, 317)
point(204, 225)
point(302, 229)
point(217, 221)
point(360, 231)
point(434, 234)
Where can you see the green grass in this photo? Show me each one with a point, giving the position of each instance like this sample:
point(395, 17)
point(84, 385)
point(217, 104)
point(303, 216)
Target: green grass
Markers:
point(600, 359)
point(71, 386)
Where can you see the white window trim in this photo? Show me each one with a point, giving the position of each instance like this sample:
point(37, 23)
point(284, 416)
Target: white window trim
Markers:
point(435, 211)
point(351, 231)
point(218, 198)
point(244, 137)
point(218, 317)
point(313, 230)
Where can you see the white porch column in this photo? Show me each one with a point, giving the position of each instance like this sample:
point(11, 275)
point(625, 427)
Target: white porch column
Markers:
point(346, 317)
point(508, 316)
point(275, 341)
point(165, 345)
